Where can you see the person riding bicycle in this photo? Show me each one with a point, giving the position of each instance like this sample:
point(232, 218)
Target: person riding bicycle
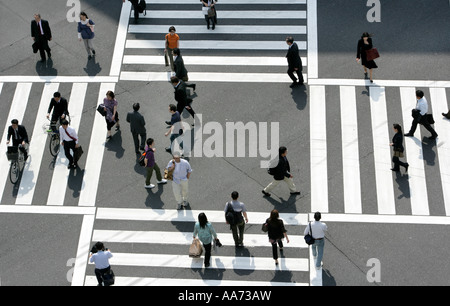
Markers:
point(60, 110)
point(19, 136)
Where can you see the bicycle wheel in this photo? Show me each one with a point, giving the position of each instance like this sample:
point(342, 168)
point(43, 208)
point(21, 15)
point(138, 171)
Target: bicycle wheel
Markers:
point(14, 172)
point(54, 145)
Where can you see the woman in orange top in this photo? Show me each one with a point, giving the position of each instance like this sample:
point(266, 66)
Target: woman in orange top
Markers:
point(172, 42)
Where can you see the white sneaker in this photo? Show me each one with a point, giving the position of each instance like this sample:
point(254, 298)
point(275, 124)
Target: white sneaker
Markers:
point(163, 181)
point(150, 186)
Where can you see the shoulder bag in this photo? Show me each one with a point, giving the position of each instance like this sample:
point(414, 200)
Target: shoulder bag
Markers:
point(309, 238)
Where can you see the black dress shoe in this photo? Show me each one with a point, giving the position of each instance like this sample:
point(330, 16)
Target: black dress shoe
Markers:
point(406, 167)
point(295, 193)
point(266, 194)
point(432, 137)
point(193, 87)
point(294, 84)
point(395, 170)
point(168, 122)
point(409, 135)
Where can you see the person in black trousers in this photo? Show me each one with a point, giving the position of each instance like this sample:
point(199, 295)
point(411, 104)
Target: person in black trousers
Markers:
point(41, 33)
point(181, 96)
point(137, 126)
point(180, 70)
point(276, 232)
point(364, 44)
point(19, 136)
point(135, 4)
point(397, 144)
point(420, 116)
point(60, 106)
point(294, 63)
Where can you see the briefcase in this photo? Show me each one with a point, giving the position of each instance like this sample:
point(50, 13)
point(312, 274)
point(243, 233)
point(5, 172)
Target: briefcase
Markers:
point(429, 118)
point(372, 54)
point(35, 47)
point(77, 154)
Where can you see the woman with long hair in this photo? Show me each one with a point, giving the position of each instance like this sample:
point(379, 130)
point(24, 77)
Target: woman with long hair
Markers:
point(205, 232)
point(365, 44)
point(276, 232)
point(397, 144)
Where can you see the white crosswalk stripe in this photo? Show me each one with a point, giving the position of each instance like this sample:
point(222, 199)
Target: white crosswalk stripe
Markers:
point(228, 35)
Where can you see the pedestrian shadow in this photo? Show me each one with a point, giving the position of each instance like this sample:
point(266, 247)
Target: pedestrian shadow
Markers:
point(75, 181)
point(46, 69)
point(153, 199)
point(428, 153)
point(328, 279)
point(300, 97)
point(92, 67)
point(115, 144)
point(403, 185)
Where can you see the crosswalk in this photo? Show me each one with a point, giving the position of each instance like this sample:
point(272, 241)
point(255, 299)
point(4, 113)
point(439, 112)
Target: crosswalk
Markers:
point(252, 264)
point(255, 32)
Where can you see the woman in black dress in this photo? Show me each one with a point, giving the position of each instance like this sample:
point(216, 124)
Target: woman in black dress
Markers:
point(364, 44)
point(276, 232)
point(397, 144)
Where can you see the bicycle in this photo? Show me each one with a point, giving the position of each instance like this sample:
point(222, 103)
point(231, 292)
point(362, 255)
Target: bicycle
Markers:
point(55, 139)
point(17, 159)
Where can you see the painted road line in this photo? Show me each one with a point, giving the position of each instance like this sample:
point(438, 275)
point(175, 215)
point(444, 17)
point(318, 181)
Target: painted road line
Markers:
point(382, 151)
point(218, 262)
point(442, 126)
point(43, 210)
point(58, 79)
point(79, 270)
point(172, 215)
point(185, 238)
point(214, 44)
point(91, 178)
point(210, 77)
point(16, 111)
point(350, 151)
point(122, 281)
point(226, 2)
point(30, 173)
point(318, 142)
point(313, 48)
point(385, 219)
point(61, 174)
point(121, 37)
point(224, 29)
point(166, 15)
point(379, 83)
point(414, 153)
point(211, 60)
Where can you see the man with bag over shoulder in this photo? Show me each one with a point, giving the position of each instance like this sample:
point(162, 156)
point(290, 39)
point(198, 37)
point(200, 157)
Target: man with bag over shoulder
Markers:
point(317, 230)
point(69, 139)
point(420, 116)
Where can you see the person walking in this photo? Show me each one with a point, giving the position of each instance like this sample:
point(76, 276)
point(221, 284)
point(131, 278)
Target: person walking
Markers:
point(281, 173)
point(397, 144)
point(209, 10)
point(69, 139)
point(135, 4)
point(183, 102)
point(294, 63)
point(150, 165)
point(41, 34)
point(172, 42)
point(101, 260)
point(180, 184)
point(365, 44)
point(276, 232)
point(175, 130)
point(86, 33)
point(137, 127)
point(180, 70)
point(206, 233)
point(60, 108)
point(236, 217)
point(317, 230)
point(420, 116)
point(112, 116)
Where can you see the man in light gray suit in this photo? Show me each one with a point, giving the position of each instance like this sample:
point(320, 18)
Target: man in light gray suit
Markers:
point(137, 125)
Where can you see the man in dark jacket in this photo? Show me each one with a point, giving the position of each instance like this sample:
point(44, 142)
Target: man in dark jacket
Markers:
point(60, 106)
point(180, 70)
point(181, 96)
point(294, 62)
point(19, 136)
point(41, 33)
point(282, 172)
point(137, 126)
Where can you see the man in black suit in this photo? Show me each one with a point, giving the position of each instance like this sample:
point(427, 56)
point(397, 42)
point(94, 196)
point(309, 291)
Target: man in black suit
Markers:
point(181, 96)
point(294, 62)
point(60, 106)
point(282, 172)
point(41, 33)
point(137, 126)
point(19, 136)
point(180, 70)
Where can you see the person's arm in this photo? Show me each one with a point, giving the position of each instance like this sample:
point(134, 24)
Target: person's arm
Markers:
point(245, 216)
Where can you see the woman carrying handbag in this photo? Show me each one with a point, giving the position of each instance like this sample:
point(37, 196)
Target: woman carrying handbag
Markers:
point(365, 46)
point(276, 232)
point(397, 144)
point(205, 232)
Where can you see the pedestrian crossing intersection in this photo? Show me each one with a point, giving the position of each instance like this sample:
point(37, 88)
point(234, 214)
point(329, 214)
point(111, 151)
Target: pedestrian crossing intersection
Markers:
point(254, 32)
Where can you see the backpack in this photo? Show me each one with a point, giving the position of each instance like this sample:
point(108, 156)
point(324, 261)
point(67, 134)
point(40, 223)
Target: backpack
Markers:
point(231, 216)
point(141, 161)
point(142, 7)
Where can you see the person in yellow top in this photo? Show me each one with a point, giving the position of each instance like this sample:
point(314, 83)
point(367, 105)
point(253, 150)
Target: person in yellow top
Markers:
point(172, 42)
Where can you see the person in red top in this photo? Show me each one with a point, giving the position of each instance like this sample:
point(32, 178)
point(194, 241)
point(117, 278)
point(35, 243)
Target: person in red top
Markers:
point(172, 42)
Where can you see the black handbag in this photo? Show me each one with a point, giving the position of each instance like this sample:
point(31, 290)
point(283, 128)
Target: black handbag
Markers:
point(309, 238)
point(109, 278)
point(101, 110)
point(77, 154)
point(429, 118)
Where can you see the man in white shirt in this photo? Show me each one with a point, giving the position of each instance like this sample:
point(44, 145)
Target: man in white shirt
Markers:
point(181, 173)
point(317, 231)
point(101, 261)
point(69, 140)
point(419, 114)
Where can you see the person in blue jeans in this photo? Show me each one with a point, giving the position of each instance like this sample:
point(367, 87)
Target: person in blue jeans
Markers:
point(317, 231)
